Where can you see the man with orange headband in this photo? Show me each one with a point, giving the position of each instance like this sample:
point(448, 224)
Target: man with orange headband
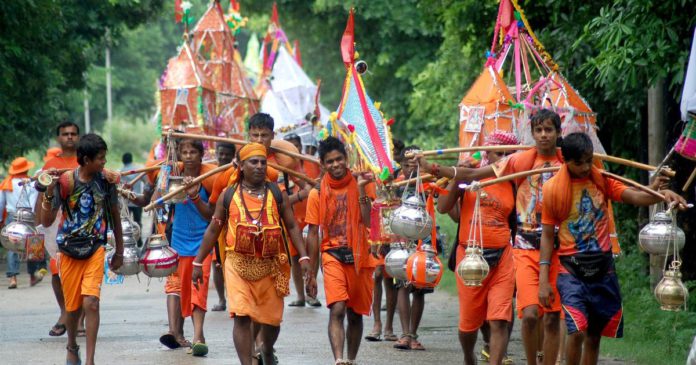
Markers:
point(341, 207)
point(256, 265)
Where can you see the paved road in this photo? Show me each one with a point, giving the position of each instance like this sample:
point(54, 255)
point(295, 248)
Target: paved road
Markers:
point(133, 316)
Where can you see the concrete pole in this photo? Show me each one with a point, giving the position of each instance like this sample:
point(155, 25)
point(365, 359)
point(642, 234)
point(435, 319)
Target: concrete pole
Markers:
point(656, 151)
point(109, 114)
point(88, 124)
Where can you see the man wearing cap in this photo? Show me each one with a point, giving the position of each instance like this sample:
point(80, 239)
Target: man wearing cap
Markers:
point(11, 198)
point(256, 266)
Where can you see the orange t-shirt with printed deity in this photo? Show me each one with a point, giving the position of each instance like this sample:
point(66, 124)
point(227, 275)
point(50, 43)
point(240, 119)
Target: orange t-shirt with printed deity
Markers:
point(529, 190)
point(59, 162)
point(586, 229)
point(497, 202)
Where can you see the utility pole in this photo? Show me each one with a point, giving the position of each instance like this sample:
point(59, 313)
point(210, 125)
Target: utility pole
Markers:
point(107, 127)
point(88, 125)
point(656, 151)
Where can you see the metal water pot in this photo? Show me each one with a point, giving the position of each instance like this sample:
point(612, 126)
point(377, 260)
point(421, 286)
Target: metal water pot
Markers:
point(411, 220)
point(395, 261)
point(670, 291)
point(176, 182)
point(14, 235)
point(131, 261)
point(130, 228)
point(159, 260)
point(473, 269)
point(658, 236)
point(423, 268)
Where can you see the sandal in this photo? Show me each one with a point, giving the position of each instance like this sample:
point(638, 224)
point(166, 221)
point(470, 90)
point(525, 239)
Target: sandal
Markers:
point(75, 350)
point(507, 360)
point(390, 337)
point(81, 333)
point(404, 343)
point(57, 330)
point(219, 307)
point(374, 336)
point(170, 341)
point(13, 283)
point(297, 303)
point(415, 345)
point(199, 349)
point(485, 356)
point(313, 302)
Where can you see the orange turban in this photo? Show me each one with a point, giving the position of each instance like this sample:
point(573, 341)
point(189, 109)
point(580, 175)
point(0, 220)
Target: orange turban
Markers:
point(252, 150)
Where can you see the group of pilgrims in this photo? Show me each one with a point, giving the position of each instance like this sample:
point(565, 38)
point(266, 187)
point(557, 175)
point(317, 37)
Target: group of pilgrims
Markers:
point(540, 234)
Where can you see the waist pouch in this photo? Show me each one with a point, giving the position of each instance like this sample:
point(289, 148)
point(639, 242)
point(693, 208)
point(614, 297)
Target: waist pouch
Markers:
point(534, 238)
point(588, 267)
point(250, 240)
point(81, 248)
point(344, 254)
point(493, 255)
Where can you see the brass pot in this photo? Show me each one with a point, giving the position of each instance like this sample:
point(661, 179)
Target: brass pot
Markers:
point(473, 269)
point(670, 291)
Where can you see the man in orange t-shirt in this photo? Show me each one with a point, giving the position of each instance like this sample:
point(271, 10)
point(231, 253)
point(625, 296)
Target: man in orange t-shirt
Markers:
point(546, 129)
point(576, 202)
point(342, 209)
point(298, 198)
point(67, 136)
point(492, 301)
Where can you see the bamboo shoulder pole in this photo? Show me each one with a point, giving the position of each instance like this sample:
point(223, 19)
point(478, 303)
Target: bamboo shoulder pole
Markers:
point(413, 179)
point(600, 156)
point(293, 173)
point(240, 142)
point(169, 195)
point(141, 170)
point(510, 177)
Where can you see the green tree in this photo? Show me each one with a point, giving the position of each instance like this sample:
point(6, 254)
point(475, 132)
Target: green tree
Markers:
point(45, 47)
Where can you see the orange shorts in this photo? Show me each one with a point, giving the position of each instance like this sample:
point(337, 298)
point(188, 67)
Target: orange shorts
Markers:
point(343, 284)
point(181, 284)
point(53, 266)
point(527, 280)
point(80, 278)
point(492, 301)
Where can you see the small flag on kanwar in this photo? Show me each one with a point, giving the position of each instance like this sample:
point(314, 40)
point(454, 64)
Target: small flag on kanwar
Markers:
point(178, 11)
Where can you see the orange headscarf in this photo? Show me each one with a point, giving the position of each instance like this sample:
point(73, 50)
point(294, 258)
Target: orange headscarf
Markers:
point(558, 190)
point(355, 229)
point(248, 151)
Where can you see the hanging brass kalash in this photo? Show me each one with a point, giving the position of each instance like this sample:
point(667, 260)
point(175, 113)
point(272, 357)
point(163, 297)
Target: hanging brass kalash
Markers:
point(670, 291)
point(423, 267)
point(131, 233)
point(21, 232)
point(473, 269)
